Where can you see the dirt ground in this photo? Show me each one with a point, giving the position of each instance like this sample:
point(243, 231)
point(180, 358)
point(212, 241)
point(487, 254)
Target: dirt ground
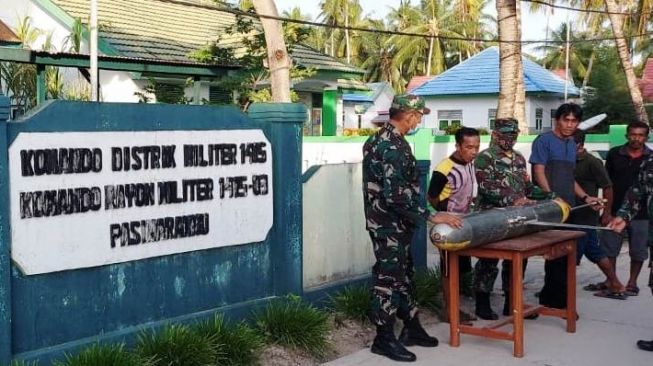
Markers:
point(346, 337)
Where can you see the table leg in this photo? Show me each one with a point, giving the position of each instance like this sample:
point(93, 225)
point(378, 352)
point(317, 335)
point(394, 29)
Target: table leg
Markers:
point(517, 289)
point(454, 299)
point(571, 287)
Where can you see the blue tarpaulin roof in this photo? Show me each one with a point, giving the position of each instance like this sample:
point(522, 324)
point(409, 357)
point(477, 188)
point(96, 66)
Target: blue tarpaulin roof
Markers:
point(480, 75)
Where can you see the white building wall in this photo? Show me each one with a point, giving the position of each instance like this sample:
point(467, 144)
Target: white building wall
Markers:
point(326, 153)
point(339, 247)
point(382, 103)
point(475, 110)
point(547, 103)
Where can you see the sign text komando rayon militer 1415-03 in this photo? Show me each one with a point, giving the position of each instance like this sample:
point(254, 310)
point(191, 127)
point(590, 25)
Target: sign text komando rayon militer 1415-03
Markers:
point(84, 199)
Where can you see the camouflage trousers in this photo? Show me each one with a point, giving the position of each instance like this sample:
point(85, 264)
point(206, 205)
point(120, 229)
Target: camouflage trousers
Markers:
point(486, 271)
point(393, 291)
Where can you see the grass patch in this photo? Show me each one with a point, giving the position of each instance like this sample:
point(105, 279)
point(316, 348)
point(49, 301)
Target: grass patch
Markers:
point(293, 323)
point(103, 355)
point(177, 345)
point(236, 344)
point(24, 363)
point(352, 302)
point(428, 288)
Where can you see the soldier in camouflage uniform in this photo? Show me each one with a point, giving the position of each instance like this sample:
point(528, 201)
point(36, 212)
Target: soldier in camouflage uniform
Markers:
point(502, 181)
point(632, 204)
point(392, 210)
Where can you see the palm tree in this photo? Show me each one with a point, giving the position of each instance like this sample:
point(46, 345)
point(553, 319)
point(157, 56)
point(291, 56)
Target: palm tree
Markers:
point(341, 12)
point(378, 58)
point(511, 79)
point(616, 20)
point(427, 54)
point(579, 52)
point(471, 22)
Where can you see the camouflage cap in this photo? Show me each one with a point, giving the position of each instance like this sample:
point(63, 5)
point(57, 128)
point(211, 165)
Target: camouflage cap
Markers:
point(506, 125)
point(410, 102)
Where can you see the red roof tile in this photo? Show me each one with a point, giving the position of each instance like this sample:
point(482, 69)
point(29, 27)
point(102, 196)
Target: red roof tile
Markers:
point(7, 35)
point(417, 81)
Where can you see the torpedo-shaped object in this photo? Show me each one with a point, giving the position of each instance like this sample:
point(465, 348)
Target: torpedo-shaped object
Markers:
point(499, 223)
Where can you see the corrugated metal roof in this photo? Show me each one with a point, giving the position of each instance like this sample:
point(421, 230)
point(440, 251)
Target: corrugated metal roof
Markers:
point(358, 98)
point(171, 30)
point(480, 75)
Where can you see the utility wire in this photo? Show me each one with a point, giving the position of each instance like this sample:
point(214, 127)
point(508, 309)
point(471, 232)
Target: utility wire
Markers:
point(563, 7)
point(393, 33)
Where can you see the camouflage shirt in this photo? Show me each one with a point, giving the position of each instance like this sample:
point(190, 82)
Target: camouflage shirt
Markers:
point(390, 183)
point(642, 188)
point(502, 179)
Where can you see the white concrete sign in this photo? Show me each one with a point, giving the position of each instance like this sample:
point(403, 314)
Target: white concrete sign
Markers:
point(85, 199)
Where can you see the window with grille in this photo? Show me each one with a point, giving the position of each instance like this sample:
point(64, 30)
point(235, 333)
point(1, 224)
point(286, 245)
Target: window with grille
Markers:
point(169, 93)
point(491, 118)
point(220, 95)
point(450, 117)
point(539, 114)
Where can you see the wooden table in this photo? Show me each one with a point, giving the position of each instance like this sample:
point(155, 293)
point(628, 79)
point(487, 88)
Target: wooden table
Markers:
point(550, 244)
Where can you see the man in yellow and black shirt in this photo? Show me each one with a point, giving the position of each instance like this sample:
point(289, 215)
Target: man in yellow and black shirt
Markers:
point(453, 187)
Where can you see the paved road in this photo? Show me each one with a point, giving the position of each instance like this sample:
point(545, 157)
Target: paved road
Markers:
point(606, 332)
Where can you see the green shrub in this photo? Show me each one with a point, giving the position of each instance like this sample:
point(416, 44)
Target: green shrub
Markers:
point(237, 344)
point(24, 363)
point(177, 345)
point(293, 323)
point(354, 302)
point(428, 288)
point(101, 355)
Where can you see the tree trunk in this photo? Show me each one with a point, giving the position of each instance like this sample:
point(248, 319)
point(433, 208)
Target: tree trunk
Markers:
point(348, 45)
point(278, 59)
point(590, 66)
point(622, 49)
point(430, 57)
point(511, 75)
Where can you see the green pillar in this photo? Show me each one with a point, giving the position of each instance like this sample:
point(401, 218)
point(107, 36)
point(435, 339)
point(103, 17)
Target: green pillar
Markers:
point(329, 112)
point(41, 91)
point(617, 135)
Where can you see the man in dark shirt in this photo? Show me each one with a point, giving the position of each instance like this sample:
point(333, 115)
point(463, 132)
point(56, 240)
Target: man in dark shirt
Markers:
point(623, 164)
point(553, 158)
point(635, 201)
point(591, 175)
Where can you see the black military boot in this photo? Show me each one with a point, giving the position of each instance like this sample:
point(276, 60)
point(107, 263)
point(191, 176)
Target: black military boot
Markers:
point(386, 344)
point(645, 345)
point(414, 335)
point(483, 308)
point(506, 304)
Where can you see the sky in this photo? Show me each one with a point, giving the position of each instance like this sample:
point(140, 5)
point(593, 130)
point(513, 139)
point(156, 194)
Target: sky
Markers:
point(533, 25)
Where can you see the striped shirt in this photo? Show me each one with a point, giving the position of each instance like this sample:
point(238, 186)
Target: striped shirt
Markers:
point(454, 184)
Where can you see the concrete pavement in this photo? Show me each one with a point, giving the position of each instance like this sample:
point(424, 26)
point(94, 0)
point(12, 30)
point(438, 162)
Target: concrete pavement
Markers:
point(606, 332)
